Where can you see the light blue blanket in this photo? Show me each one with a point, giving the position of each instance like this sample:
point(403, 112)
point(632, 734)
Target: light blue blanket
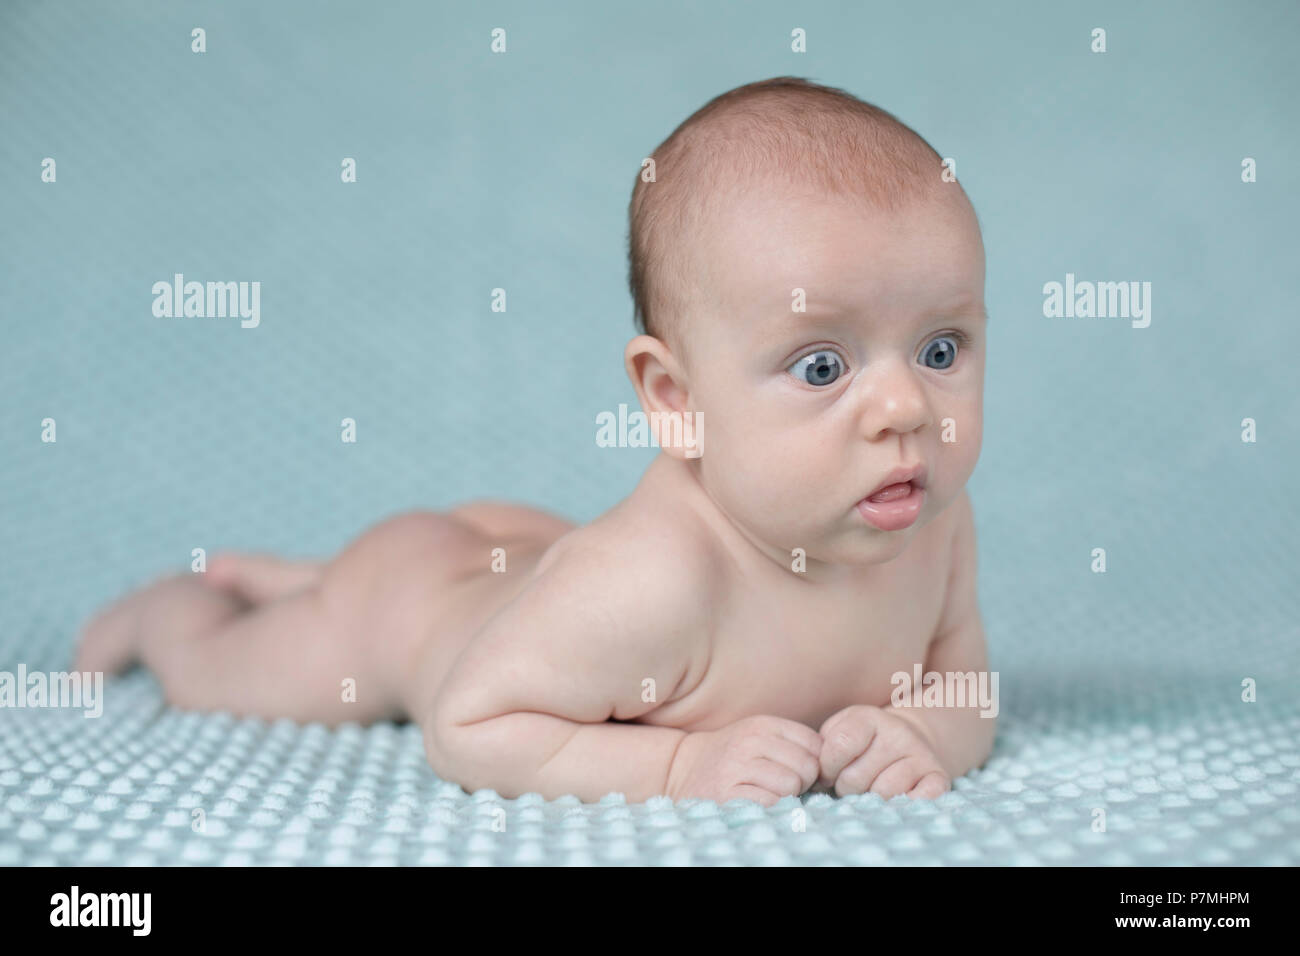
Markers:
point(1124, 736)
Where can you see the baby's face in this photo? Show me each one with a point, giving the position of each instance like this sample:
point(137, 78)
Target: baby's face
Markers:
point(808, 412)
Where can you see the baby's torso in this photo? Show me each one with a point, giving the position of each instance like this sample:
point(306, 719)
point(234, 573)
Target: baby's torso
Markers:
point(770, 642)
point(788, 649)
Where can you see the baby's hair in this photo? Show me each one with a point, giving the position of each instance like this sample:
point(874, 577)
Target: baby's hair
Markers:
point(785, 129)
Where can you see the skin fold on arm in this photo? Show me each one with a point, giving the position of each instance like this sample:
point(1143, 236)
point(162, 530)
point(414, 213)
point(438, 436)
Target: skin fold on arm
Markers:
point(530, 705)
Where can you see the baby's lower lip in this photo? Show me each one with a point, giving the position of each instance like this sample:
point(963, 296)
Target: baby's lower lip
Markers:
point(900, 511)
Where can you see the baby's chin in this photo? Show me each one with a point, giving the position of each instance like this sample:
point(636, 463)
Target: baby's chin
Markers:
point(866, 546)
point(857, 547)
point(854, 542)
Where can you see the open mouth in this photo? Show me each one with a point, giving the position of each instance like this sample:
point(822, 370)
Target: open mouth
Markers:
point(897, 504)
point(892, 492)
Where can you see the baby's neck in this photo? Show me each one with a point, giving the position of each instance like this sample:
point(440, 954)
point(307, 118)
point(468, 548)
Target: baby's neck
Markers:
point(683, 482)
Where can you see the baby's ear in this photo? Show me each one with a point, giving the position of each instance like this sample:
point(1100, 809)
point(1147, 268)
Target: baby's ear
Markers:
point(656, 375)
point(664, 393)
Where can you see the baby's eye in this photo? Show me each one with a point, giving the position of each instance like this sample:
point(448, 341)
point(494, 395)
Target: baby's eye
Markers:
point(940, 353)
point(817, 368)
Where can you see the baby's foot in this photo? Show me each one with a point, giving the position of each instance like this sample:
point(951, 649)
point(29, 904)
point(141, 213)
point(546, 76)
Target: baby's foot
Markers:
point(106, 642)
point(259, 578)
point(151, 623)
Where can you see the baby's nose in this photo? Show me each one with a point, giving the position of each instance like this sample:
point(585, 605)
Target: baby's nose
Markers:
point(896, 402)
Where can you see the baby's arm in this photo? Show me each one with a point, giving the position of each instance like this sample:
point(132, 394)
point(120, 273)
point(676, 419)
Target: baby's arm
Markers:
point(531, 704)
point(526, 705)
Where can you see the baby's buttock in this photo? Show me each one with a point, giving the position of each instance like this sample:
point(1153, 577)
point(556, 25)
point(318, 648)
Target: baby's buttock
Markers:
point(458, 607)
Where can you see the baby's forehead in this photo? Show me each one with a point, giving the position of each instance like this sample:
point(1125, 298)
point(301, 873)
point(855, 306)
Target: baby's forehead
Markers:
point(774, 232)
point(773, 252)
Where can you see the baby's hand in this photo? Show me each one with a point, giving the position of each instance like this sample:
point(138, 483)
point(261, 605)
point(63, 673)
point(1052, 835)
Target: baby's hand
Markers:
point(874, 749)
point(757, 758)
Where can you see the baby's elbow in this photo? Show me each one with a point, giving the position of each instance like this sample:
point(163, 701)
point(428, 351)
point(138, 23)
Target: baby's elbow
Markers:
point(457, 756)
point(496, 753)
point(439, 749)
point(448, 746)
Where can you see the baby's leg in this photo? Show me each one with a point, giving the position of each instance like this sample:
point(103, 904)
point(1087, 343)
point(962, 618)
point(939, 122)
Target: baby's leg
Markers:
point(132, 629)
point(338, 643)
point(214, 651)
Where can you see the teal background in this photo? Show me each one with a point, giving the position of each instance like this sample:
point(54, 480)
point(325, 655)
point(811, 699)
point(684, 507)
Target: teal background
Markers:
point(478, 170)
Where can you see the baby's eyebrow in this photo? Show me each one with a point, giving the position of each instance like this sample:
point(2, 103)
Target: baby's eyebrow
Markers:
point(831, 312)
point(959, 309)
point(779, 329)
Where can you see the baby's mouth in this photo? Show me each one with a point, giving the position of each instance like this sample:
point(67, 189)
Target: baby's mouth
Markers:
point(896, 503)
point(893, 507)
point(892, 492)
point(899, 483)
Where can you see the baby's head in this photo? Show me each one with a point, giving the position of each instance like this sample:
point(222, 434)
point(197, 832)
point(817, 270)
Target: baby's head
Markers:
point(812, 286)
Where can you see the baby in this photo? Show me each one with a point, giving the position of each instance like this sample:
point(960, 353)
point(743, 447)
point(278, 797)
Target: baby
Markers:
point(811, 285)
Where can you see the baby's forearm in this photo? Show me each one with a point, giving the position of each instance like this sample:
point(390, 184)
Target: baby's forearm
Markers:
point(959, 736)
point(530, 752)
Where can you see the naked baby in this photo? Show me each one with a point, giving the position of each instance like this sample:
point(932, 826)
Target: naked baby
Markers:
point(811, 286)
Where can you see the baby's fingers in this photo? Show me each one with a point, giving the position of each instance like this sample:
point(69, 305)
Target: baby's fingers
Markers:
point(906, 774)
point(844, 743)
point(861, 775)
point(791, 730)
point(759, 795)
point(769, 775)
point(794, 757)
point(934, 784)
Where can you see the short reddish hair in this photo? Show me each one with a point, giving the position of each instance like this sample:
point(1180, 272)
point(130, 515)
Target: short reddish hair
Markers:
point(783, 129)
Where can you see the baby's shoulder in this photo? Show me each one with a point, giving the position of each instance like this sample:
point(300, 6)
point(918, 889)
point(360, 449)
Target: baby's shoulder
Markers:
point(654, 564)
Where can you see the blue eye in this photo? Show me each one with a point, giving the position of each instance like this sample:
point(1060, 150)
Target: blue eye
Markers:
point(940, 353)
point(817, 368)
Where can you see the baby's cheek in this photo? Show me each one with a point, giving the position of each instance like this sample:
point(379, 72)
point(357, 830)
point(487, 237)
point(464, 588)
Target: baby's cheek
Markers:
point(961, 433)
point(766, 466)
point(768, 487)
point(968, 450)
point(789, 470)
